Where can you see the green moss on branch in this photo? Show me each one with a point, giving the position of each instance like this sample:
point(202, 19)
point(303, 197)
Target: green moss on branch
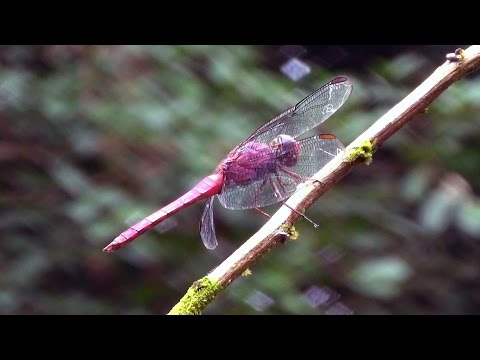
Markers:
point(364, 151)
point(198, 296)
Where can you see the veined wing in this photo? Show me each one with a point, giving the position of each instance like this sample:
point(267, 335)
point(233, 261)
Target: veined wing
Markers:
point(307, 114)
point(315, 152)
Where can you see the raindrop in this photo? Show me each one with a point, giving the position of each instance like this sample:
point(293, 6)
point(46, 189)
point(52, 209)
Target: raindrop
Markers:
point(316, 296)
point(295, 69)
point(339, 309)
point(259, 301)
point(329, 254)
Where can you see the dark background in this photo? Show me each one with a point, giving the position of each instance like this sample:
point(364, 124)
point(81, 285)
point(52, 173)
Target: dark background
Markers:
point(93, 138)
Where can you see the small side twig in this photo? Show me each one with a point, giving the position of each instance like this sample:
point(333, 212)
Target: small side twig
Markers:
point(360, 150)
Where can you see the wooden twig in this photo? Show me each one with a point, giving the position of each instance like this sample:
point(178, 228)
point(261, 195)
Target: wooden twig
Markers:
point(360, 150)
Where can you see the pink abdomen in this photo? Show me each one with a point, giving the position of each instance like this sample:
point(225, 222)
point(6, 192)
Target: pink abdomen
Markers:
point(209, 186)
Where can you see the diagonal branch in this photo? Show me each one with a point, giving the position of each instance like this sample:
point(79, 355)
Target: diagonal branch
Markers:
point(275, 231)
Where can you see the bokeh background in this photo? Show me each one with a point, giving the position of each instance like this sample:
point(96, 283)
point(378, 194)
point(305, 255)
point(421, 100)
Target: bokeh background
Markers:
point(93, 138)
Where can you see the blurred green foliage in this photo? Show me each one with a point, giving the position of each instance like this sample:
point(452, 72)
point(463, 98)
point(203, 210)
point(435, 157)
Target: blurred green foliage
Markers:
point(93, 138)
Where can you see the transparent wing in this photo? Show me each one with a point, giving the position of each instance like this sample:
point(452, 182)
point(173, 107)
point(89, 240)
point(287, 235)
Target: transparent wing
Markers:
point(281, 183)
point(307, 114)
point(259, 193)
point(207, 228)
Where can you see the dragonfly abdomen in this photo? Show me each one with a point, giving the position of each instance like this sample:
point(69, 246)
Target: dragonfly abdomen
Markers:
point(209, 186)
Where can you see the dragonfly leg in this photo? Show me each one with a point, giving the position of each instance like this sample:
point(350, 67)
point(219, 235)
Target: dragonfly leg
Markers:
point(291, 173)
point(280, 181)
point(263, 212)
point(302, 215)
point(260, 189)
point(298, 212)
point(275, 188)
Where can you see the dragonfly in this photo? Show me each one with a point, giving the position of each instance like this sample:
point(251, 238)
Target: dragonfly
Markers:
point(264, 169)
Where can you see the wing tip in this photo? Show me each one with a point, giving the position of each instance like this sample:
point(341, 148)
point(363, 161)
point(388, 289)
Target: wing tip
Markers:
point(327, 136)
point(210, 245)
point(331, 137)
point(340, 79)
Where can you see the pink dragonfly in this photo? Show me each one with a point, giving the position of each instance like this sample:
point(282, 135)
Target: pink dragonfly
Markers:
point(264, 169)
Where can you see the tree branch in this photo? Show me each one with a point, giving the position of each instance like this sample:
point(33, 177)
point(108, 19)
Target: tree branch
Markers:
point(275, 231)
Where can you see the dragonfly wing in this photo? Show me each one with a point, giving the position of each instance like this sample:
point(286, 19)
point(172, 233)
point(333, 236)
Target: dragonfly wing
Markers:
point(315, 152)
point(258, 193)
point(207, 228)
point(307, 114)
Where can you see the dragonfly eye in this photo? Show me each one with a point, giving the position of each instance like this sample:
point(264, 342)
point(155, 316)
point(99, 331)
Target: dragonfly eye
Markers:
point(287, 149)
point(281, 141)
